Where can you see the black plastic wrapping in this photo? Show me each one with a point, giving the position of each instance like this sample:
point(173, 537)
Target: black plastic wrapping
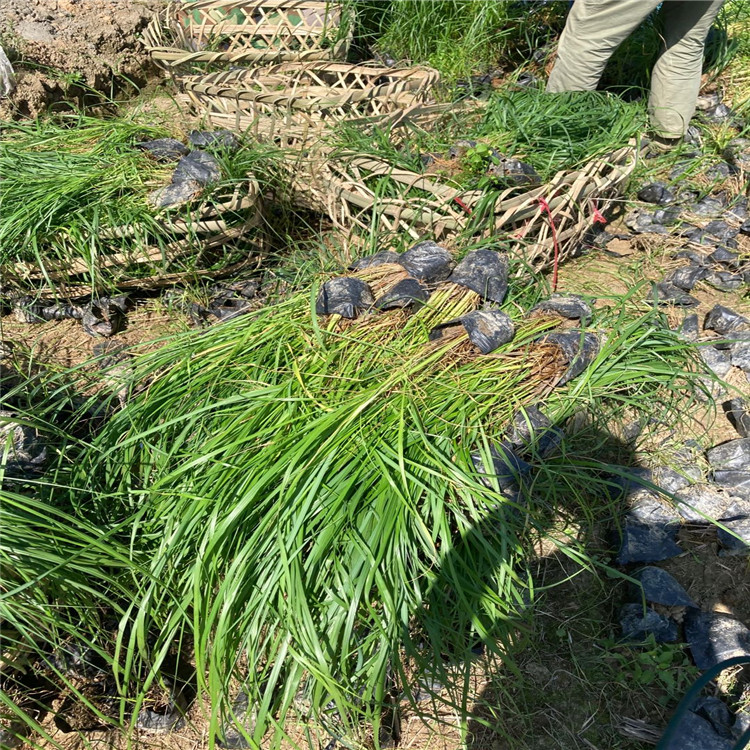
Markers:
point(344, 296)
point(485, 272)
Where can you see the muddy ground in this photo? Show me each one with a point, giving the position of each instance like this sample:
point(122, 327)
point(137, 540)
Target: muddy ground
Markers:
point(65, 50)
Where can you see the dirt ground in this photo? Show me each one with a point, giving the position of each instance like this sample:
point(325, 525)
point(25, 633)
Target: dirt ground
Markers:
point(63, 49)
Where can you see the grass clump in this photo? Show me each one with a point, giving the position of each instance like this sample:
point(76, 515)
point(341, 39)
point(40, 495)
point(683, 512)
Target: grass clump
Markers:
point(559, 131)
point(458, 37)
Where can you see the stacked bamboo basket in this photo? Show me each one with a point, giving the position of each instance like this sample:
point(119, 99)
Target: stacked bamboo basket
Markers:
point(275, 70)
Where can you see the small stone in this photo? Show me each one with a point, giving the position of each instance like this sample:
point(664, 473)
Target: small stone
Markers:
point(714, 637)
point(377, 259)
point(344, 296)
point(695, 733)
point(646, 543)
point(659, 587)
point(638, 624)
point(733, 455)
point(724, 321)
point(656, 192)
point(716, 360)
point(701, 503)
point(745, 228)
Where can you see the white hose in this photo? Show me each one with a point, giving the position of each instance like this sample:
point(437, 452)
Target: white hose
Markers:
point(7, 77)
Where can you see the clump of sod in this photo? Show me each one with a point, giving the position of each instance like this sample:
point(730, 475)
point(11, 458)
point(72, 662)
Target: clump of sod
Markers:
point(303, 497)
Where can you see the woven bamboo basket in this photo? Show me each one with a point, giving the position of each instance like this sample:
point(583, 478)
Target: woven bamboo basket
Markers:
point(194, 37)
point(293, 103)
point(218, 220)
point(533, 221)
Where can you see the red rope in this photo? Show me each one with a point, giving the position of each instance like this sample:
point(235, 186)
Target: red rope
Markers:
point(545, 207)
point(598, 217)
point(463, 205)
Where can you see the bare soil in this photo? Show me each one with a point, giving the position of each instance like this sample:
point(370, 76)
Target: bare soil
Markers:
point(65, 49)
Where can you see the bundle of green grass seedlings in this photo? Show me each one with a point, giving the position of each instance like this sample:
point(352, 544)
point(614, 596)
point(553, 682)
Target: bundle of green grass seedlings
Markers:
point(550, 132)
point(291, 505)
point(74, 192)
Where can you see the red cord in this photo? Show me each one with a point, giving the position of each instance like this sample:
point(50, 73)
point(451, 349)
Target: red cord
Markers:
point(463, 205)
point(545, 207)
point(598, 217)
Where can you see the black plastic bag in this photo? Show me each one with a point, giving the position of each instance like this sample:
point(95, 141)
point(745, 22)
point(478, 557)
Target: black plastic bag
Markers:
point(164, 149)
point(428, 262)
point(487, 329)
point(485, 272)
point(570, 306)
point(578, 349)
point(406, 293)
point(377, 259)
point(344, 296)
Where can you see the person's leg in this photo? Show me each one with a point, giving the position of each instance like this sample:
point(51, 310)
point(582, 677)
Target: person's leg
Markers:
point(676, 78)
point(593, 31)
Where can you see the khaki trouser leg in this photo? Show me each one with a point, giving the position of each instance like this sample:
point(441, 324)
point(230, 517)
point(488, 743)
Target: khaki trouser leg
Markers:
point(593, 31)
point(676, 78)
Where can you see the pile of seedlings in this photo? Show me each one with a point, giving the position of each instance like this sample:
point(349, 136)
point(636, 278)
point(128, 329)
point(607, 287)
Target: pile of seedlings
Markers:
point(270, 485)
